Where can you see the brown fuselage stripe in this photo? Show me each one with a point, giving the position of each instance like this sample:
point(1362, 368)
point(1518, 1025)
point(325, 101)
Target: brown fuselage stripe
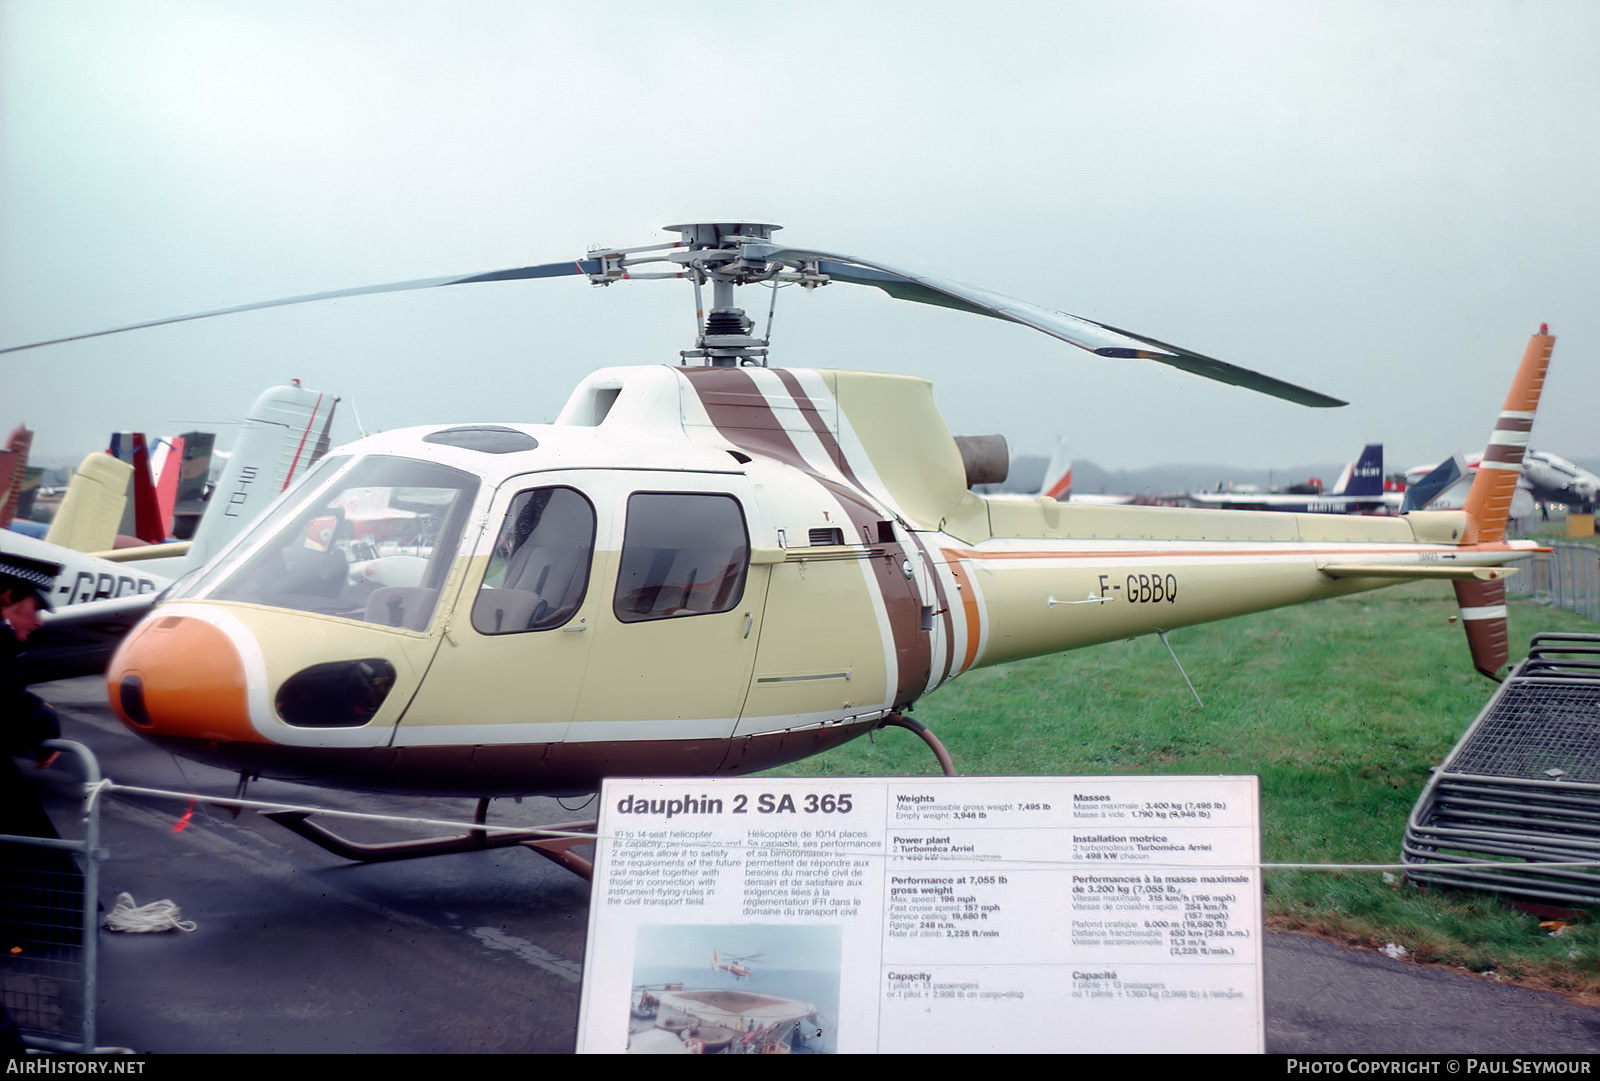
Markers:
point(917, 663)
point(743, 416)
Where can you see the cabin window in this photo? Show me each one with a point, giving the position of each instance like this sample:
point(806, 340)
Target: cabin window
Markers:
point(539, 570)
point(683, 554)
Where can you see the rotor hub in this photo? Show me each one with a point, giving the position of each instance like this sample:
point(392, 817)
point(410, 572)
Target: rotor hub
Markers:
point(723, 234)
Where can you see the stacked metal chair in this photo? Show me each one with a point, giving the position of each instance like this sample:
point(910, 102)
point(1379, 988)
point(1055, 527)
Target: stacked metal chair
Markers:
point(1522, 787)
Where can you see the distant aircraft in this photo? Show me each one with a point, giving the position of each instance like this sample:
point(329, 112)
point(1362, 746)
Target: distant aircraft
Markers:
point(13, 472)
point(1058, 483)
point(1359, 491)
point(1553, 479)
point(1430, 487)
point(1546, 477)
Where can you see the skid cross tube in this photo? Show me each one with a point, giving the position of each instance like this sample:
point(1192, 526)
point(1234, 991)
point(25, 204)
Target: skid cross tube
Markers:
point(557, 849)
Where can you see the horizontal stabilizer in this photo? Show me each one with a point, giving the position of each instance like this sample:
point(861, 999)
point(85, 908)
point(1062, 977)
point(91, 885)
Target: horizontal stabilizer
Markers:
point(1387, 570)
point(143, 552)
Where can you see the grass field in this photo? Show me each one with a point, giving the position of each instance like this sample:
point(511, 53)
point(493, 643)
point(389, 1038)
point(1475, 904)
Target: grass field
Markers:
point(1341, 708)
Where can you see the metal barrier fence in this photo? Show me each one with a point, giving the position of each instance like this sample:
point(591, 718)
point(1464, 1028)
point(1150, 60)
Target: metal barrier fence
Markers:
point(49, 891)
point(1568, 577)
point(1515, 807)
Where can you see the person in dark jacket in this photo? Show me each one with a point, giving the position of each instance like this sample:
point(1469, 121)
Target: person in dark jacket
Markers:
point(26, 720)
point(40, 889)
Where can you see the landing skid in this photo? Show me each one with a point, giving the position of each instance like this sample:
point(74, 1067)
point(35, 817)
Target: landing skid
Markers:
point(557, 849)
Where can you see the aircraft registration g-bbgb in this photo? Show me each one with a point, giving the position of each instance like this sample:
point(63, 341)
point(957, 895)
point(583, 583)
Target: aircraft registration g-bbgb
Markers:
point(715, 567)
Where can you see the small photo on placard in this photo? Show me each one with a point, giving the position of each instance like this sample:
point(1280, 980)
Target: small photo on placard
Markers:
point(744, 988)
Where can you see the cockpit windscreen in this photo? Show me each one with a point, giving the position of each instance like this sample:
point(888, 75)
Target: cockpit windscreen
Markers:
point(375, 545)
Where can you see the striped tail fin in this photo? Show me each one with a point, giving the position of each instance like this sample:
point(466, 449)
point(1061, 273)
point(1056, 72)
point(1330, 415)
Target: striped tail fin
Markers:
point(1489, 501)
point(1483, 604)
point(13, 466)
point(1483, 614)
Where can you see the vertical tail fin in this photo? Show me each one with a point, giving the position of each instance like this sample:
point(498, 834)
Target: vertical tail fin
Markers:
point(166, 467)
point(147, 524)
point(1364, 476)
point(1483, 604)
point(13, 467)
point(279, 442)
point(1483, 614)
point(190, 500)
point(92, 508)
point(1443, 477)
point(1058, 473)
point(1489, 501)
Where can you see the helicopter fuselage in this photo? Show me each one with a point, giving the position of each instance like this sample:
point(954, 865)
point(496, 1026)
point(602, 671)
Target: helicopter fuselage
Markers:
point(691, 572)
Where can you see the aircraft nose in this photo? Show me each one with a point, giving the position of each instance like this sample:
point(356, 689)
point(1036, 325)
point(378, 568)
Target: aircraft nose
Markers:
point(181, 676)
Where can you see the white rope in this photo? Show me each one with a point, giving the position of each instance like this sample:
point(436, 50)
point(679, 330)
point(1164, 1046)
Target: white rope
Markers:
point(263, 805)
point(135, 919)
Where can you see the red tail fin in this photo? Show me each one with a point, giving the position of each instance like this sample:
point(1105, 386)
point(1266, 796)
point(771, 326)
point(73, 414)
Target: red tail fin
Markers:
point(148, 526)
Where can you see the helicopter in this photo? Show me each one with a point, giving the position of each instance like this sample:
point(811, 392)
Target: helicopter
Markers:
point(737, 967)
point(712, 567)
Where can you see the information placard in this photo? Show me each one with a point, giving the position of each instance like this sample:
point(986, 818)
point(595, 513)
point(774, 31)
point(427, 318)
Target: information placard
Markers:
point(1053, 914)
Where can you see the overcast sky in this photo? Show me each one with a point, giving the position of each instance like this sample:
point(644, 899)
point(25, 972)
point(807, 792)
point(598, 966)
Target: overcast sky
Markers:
point(1377, 200)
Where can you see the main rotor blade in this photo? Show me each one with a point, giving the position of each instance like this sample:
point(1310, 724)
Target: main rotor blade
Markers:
point(1098, 338)
point(542, 270)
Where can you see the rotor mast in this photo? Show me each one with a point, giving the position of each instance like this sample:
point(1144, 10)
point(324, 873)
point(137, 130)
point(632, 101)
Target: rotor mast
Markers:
point(710, 252)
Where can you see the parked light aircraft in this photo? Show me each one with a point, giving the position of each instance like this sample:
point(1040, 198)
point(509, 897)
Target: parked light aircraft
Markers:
point(713, 569)
point(1553, 479)
point(1546, 477)
point(97, 597)
point(1358, 491)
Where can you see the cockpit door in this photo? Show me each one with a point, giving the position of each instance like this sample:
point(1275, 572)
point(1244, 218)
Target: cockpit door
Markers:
point(515, 652)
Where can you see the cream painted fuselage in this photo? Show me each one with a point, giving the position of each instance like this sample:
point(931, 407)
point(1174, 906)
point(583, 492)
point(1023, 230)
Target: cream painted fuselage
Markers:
point(693, 571)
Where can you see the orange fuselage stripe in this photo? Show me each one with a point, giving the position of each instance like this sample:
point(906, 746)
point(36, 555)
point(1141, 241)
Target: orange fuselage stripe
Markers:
point(969, 604)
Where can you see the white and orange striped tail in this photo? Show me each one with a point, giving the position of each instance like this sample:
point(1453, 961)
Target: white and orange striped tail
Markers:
point(1483, 604)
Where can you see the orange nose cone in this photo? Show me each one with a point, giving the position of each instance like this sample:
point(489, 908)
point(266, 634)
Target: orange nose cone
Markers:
point(181, 676)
